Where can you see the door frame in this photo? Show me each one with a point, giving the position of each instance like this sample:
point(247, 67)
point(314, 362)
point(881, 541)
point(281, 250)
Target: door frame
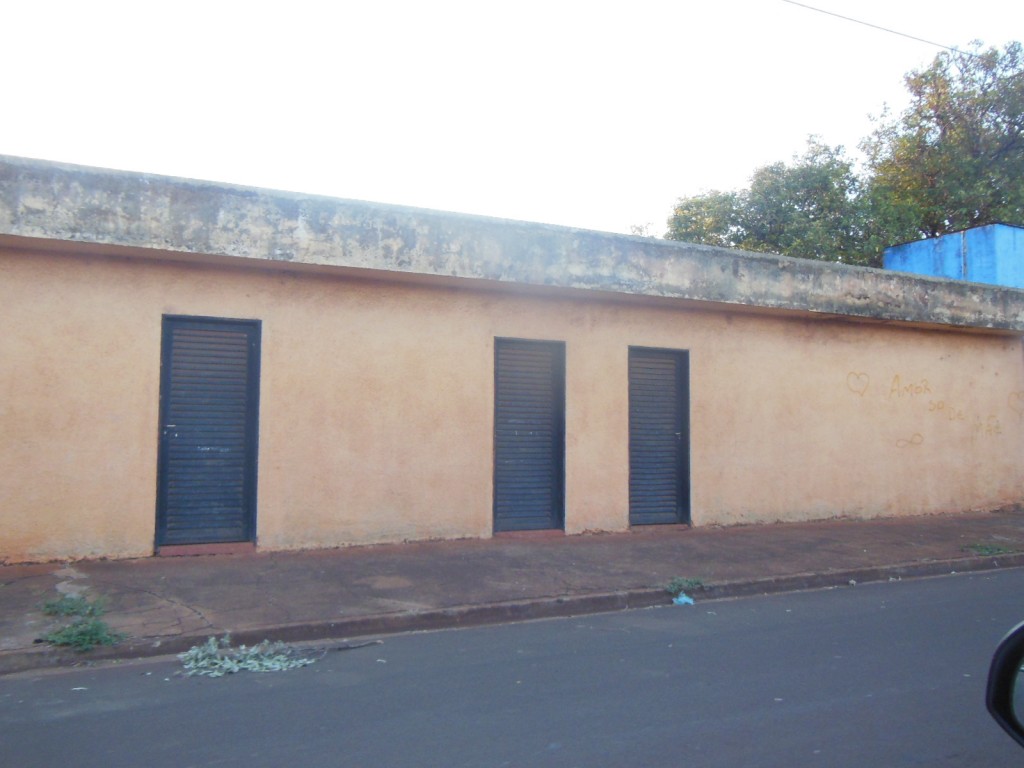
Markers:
point(556, 515)
point(683, 480)
point(253, 330)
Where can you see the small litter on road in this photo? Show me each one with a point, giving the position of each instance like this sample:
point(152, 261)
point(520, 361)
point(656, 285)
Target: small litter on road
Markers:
point(677, 588)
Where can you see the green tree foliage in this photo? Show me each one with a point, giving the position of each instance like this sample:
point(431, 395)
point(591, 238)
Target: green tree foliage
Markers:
point(811, 209)
point(953, 159)
point(713, 219)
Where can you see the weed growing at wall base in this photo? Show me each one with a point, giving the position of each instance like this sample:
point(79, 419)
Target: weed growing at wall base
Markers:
point(989, 550)
point(73, 605)
point(679, 585)
point(87, 631)
point(84, 635)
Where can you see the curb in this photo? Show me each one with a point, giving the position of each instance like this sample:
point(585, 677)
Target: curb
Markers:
point(45, 657)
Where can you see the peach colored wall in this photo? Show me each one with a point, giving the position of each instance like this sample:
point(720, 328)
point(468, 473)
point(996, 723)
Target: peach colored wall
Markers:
point(376, 407)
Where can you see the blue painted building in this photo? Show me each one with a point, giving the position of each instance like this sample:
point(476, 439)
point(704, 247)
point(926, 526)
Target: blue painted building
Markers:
point(990, 254)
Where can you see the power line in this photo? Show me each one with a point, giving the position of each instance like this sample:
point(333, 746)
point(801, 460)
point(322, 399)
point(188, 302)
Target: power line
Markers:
point(883, 29)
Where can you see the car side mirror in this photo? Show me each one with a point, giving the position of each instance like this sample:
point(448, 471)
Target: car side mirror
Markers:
point(1005, 694)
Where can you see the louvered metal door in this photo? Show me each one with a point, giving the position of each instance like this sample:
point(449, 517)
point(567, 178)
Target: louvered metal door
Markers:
point(529, 434)
point(209, 405)
point(659, 485)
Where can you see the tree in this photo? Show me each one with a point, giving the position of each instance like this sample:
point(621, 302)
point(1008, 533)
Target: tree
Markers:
point(953, 159)
point(712, 219)
point(811, 209)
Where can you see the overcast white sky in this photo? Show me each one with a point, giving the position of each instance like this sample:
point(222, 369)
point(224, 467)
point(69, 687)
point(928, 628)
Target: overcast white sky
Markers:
point(588, 113)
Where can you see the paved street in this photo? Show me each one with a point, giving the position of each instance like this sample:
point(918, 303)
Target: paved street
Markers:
point(889, 674)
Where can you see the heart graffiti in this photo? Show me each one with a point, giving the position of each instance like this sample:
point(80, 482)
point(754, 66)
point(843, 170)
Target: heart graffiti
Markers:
point(858, 382)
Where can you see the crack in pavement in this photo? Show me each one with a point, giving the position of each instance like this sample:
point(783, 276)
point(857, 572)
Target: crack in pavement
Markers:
point(125, 617)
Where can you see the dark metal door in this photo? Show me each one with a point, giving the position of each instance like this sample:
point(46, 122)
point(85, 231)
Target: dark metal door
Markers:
point(529, 434)
point(209, 407)
point(659, 441)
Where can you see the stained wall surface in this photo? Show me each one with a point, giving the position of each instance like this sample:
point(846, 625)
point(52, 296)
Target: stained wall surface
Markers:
point(377, 397)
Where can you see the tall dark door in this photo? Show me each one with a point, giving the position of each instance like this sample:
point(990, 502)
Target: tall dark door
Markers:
point(659, 441)
point(209, 407)
point(529, 435)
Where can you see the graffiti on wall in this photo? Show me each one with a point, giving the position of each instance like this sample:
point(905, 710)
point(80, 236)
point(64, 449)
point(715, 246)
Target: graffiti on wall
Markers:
point(926, 398)
point(858, 382)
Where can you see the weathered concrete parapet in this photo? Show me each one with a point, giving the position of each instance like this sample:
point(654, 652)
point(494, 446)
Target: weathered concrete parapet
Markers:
point(56, 202)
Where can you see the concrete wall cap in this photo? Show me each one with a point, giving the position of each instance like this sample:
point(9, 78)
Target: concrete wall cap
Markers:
point(165, 217)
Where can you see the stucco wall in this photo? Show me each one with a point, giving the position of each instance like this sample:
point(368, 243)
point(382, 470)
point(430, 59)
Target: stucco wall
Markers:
point(376, 411)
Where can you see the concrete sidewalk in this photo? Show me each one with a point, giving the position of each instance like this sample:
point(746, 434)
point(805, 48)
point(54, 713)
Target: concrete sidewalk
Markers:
point(166, 605)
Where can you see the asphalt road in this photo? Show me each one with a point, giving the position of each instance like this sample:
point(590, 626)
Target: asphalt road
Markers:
point(885, 674)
